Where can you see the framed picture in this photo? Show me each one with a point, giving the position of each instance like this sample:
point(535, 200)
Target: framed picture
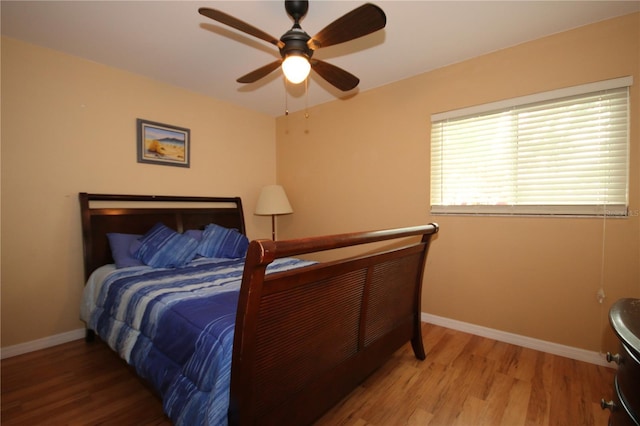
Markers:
point(163, 144)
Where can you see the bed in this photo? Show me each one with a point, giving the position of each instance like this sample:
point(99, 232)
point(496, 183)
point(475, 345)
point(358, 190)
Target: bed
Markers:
point(262, 338)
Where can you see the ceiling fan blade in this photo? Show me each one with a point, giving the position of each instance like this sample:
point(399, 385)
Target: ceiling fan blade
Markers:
point(229, 20)
point(260, 72)
point(338, 77)
point(361, 21)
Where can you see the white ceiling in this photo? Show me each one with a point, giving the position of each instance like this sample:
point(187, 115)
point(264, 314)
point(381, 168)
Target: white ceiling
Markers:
point(171, 42)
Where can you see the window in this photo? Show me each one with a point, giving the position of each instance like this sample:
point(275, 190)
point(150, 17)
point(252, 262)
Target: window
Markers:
point(560, 152)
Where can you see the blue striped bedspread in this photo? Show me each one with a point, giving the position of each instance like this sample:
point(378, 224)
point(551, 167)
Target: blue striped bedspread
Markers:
point(176, 327)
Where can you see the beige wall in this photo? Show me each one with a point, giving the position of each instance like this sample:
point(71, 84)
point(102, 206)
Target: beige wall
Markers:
point(363, 164)
point(68, 125)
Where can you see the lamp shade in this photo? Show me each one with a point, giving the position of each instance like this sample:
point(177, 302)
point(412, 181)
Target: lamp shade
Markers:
point(272, 201)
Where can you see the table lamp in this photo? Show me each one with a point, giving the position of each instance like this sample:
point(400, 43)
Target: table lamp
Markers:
point(272, 202)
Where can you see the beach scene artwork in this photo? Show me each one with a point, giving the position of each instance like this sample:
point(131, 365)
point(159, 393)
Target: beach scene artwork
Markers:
point(163, 144)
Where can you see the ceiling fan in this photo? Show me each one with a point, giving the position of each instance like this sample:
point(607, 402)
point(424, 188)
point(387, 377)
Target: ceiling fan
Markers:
point(297, 47)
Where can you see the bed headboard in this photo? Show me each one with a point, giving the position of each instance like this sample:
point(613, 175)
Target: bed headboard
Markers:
point(136, 214)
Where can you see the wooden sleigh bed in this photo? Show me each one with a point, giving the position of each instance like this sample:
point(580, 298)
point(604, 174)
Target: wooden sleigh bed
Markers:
point(303, 338)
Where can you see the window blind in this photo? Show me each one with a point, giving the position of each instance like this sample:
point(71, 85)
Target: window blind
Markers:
point(561, 152)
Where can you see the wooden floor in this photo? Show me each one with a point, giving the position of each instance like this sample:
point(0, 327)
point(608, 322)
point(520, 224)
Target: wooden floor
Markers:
point(465, 380)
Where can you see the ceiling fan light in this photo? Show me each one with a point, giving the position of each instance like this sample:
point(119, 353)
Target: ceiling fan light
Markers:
point(296, 68)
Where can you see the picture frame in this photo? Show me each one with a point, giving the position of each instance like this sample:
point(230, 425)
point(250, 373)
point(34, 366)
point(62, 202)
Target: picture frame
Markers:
point(163, 144)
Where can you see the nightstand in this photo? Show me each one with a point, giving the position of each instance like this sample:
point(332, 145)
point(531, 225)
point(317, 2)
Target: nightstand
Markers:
point(624, 317)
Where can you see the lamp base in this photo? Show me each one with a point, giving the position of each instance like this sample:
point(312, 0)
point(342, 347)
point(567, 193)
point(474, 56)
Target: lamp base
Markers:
point(273, 227)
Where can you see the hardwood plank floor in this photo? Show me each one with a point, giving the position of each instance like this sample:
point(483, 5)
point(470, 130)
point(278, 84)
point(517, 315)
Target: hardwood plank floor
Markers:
point(465, 380)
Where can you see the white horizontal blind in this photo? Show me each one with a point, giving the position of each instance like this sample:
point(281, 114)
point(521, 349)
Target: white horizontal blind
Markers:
point(565, 155)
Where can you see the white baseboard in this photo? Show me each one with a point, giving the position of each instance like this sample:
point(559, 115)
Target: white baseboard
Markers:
point(502, 336)
point(43, 343)
point(519, 340)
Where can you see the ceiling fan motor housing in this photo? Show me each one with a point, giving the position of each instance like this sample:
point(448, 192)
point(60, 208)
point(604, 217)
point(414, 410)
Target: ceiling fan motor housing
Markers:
point(295, 43)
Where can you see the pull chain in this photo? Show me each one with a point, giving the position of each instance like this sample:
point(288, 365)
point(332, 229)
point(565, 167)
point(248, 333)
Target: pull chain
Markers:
point(286, 98)
point(306, 98)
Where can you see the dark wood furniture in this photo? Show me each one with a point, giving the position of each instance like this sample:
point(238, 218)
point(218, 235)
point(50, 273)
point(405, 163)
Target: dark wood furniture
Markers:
point(136, 214)
point(303, 338)
point(624, 317)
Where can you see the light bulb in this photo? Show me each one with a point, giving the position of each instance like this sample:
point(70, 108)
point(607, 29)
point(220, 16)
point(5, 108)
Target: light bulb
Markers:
point(296, 68)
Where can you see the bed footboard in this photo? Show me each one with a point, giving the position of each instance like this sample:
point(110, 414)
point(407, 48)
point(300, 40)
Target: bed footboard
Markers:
point(305, 338)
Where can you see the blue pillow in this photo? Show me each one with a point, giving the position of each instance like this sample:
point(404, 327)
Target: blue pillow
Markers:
point(162, 247)
point(218, 241)
point(122, 250)
point(194, 233)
